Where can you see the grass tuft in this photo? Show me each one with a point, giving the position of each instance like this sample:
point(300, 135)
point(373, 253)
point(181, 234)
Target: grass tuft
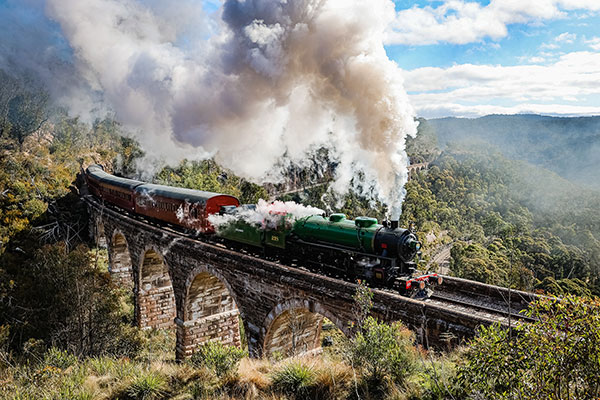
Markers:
point(147, 386)
point(222, 360)
point(295, 379)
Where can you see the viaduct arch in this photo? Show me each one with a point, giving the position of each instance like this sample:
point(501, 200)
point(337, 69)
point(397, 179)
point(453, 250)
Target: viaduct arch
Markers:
point(120, 260)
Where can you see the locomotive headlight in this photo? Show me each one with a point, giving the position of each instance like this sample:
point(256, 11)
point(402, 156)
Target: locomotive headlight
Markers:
point(414, 245)
point(440, 280)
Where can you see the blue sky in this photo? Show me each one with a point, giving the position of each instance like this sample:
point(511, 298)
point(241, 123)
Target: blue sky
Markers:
point(470, 58)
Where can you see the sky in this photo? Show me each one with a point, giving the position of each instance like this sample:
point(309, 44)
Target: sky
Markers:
point(464, 58)
point(470, 58)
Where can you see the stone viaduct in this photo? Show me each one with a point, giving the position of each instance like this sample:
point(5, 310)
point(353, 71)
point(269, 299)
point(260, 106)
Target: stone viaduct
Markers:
point(415, 168)
point(204, 292)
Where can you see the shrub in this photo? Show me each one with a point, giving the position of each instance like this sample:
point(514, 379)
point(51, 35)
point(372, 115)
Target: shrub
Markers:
point(436, 379)
point(222, 360)
point(554, 357)
point(57, 358)
point(295, 379)
point(382, 352)
point(147, 386)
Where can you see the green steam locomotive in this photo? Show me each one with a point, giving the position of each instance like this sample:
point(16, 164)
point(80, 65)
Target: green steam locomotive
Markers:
point(382, 254)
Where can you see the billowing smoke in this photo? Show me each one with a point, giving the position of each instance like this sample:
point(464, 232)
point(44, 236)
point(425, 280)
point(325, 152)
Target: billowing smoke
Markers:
point(266, 215)
point(250, 84)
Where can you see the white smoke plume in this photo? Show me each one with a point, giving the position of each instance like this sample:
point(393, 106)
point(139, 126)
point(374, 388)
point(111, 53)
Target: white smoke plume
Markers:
point(266, 215)
point(255, 81)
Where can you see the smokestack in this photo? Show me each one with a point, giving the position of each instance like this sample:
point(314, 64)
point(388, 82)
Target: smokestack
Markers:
point(394, 224)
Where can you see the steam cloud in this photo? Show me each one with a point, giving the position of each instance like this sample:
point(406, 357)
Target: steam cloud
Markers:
point(266, 215)
point(249, 84)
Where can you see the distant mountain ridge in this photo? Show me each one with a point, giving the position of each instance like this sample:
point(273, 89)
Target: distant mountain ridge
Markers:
point(568, 146)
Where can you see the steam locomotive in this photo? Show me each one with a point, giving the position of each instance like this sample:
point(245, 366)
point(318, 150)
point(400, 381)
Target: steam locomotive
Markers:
point(381, 254)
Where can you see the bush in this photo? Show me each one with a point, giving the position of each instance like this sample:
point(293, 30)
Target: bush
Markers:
point(555, 357)
point(88, 322)
point(382, 352)
point(147, 386)
point(295, 379)
point(436, 379)
point(59, 358)
point(222, 360)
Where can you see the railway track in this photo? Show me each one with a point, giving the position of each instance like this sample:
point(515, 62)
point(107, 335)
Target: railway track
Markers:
point(506, 316)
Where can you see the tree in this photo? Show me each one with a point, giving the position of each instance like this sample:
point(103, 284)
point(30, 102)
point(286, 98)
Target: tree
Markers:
point(23, 107)
point(555, 357)
point(66, 300)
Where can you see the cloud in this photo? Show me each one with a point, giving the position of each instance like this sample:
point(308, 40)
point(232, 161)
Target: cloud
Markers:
point(549, 46)
point(461, 110)
point(461, 22)
point(563, 38)
point(594, 43)
point(469, 89)
point(566, 37)
point(537, 60)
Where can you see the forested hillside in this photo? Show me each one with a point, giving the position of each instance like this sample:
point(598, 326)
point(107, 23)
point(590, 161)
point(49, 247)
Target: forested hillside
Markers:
point(511, 222)
point(568, 146)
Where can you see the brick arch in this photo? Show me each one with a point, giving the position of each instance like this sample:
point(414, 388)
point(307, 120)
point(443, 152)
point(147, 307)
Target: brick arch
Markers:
point(99, 232)
point(294, 327)
point(156, 298)
point(120, 267)
point(210, 312)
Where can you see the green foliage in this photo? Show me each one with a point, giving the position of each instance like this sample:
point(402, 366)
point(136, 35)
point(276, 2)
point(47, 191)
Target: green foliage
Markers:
point(207, 175)
point(147, 386)
point(435, 380)
point(38, 206)
point(423, 147)
point(382, 351)
point(222, 360)
point(85, 320)
point(567, 146)
point(295, 379)
point(59, 358)
point(509, 229)
point(37, 167)
point(556, 357)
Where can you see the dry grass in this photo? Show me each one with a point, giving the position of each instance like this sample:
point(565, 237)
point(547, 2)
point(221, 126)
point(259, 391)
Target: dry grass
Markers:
point(107, 378)
point(252, 372)
point(334, 379)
